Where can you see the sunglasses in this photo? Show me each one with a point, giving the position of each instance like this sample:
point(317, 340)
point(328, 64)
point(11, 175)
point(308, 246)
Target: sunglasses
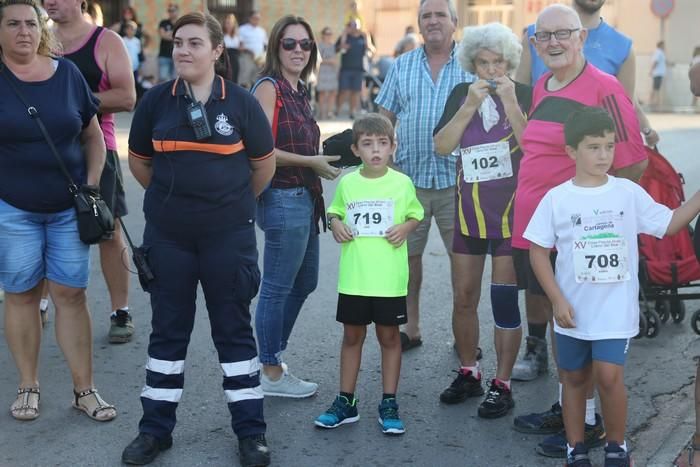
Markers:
point(290, 44)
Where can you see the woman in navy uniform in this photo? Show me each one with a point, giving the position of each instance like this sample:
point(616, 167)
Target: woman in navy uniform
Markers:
point(200, 228)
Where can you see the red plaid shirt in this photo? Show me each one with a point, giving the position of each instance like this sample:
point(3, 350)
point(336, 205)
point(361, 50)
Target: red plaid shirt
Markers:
point(298, 133)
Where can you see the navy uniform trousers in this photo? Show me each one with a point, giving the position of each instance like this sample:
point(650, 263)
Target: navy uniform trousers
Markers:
point(225, 262)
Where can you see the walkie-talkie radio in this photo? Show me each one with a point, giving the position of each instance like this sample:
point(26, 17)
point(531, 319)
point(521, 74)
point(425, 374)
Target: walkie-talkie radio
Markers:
point(197, 116)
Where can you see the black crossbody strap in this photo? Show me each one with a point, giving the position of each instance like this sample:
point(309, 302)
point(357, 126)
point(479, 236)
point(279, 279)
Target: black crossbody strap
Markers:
point(34, 115)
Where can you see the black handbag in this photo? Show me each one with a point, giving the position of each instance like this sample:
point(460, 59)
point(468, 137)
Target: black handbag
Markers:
point(95, 221)
point(339, 145)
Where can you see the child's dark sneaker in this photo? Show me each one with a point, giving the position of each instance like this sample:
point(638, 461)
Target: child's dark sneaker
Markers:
point(555, 445)
point(340, 412)
point(465, 385)
point(389, 418)
point(542, 423)
point(615, 456)
point(578, 457)
point(498, 401)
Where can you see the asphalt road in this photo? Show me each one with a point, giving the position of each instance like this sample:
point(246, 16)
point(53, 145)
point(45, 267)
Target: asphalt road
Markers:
point(658, 374)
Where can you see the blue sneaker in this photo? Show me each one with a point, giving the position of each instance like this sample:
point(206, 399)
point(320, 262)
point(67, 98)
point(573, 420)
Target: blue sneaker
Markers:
point(389, 418)
point(340, 412)
point(555, 445)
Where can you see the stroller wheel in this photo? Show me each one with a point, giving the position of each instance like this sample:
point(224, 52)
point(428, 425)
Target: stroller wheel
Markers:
point(695, 322)
point(677, 311)
point(653, 323)
point(643, 325)
point(663, 309)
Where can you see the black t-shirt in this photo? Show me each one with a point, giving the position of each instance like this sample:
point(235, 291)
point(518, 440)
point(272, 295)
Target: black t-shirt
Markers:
point(523, 94)
point(166, 46)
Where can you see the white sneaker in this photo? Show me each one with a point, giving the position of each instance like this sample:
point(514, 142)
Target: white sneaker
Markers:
point(287, 386)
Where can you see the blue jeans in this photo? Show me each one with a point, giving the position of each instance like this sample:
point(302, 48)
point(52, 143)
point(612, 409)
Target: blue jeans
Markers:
point(290, 266)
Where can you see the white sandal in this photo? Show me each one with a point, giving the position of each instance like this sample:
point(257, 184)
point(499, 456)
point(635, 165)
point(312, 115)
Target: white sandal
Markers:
point(99, 408)
point(31, 409)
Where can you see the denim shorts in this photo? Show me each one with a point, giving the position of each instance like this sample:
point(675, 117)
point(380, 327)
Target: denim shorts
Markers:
point(166, 69)
point(34, 246)
point(575, 354)
point(351, 80)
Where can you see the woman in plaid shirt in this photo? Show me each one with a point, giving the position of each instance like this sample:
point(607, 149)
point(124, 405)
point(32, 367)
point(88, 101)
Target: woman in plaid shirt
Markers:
point(289, 211)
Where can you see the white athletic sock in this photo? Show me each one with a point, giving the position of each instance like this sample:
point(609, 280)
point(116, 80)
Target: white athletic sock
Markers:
point(569, 450)
point(44, 304)
point(623, 445)
point(590, 411)
point(126, 308)
point(474, 369)
point(506, 383)
point(560, 390)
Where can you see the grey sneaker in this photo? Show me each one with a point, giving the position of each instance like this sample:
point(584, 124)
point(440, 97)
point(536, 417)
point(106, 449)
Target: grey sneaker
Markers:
point(287, 386)
point(534, 362)
point(121, 327)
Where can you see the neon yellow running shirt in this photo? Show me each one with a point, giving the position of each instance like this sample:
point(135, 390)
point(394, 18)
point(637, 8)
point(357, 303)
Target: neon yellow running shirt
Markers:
point(369, 265)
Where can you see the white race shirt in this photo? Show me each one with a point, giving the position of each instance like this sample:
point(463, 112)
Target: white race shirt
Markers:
point(595, 233)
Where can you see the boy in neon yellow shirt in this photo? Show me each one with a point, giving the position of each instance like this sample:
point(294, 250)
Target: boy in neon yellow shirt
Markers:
point(373, 211)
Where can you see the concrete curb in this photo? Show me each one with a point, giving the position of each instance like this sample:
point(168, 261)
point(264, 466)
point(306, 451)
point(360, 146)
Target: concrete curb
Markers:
point(675, 443)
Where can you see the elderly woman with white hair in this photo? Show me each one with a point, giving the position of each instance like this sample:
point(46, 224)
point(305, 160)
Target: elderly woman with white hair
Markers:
point(482, 122)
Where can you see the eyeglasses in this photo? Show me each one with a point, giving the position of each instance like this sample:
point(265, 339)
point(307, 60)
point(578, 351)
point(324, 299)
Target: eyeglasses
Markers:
point(290, 44)
point(560, 34)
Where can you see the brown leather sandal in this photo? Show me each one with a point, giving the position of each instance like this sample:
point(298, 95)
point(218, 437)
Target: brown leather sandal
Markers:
point(29, 403)
point(100, 406)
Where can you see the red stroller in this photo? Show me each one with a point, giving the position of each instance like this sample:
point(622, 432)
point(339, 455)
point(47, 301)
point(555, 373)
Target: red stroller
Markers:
point(669, 264)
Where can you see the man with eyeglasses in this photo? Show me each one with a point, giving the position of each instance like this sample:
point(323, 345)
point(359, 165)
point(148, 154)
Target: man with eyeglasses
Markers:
point(414, 94)
point(572, 83)
point(166, 68)
point(605, 47)
point(610, 51)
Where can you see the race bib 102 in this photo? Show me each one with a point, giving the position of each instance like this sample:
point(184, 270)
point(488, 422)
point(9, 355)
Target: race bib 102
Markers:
point(485, 162)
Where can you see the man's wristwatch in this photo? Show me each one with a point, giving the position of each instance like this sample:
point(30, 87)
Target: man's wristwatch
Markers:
point(646, 131)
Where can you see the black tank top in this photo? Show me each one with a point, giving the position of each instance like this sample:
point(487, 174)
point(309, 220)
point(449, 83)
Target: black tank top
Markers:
point(84, 59)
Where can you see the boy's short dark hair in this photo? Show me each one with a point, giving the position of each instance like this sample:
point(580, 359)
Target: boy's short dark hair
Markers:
point(587, 121)
point(372, 124)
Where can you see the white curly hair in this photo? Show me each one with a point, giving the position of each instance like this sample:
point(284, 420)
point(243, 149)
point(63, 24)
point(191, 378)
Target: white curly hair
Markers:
point(494, 37)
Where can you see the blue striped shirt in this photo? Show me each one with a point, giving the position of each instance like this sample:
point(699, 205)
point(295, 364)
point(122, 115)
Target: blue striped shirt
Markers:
point(410, 93)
